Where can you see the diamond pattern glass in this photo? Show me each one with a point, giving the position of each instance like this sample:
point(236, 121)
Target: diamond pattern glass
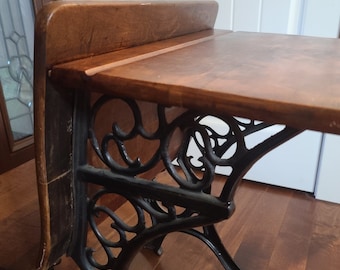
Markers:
point(16, 64)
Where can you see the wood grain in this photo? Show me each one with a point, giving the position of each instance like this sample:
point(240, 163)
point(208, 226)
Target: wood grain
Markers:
point(87, 27)
point(19, 218)
point(307, 238)
point(69, 30)
point(275, 78)
point(283, 229)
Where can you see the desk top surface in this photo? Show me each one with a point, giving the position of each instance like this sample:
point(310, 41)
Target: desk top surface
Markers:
point(285, 79)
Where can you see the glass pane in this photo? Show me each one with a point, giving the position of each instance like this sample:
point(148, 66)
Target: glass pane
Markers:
point(16, 64)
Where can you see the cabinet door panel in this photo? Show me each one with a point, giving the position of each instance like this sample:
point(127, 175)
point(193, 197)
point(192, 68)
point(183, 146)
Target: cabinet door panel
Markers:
point(274, 16)
point(224, 18)
point(246, 15)
point(321, 18)
point(328, 182)
point(294, 164)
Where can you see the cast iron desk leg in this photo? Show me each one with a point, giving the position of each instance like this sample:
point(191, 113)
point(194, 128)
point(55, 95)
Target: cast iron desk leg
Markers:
point(151, 199)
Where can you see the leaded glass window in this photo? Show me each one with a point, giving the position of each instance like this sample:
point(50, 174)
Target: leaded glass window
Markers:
point(16, 64)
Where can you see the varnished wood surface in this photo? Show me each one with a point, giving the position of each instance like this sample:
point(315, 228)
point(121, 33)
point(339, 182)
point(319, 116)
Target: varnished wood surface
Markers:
point(283, 229)
point(19, 218)
point(78, 29)
point(276, 78)
point(173, 77)
point(272, 229)
point(68, 30)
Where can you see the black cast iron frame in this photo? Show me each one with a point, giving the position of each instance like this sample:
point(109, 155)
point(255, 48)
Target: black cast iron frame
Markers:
point(159, 202)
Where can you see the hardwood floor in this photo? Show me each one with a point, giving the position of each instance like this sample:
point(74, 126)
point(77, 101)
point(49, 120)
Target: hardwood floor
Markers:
point(272, 228)
point(19, 218)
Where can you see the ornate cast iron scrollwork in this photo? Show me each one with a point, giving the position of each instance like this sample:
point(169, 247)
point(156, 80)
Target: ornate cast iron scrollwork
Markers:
point(163, 208)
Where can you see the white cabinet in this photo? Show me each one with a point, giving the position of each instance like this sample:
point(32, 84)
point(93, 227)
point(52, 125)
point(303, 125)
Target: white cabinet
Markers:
point(271, 16)
point(304, 17)
point(295, 163)
point(328, 179)
point(322, 19)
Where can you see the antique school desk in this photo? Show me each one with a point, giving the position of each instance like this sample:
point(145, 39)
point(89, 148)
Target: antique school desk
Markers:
point(123, 87)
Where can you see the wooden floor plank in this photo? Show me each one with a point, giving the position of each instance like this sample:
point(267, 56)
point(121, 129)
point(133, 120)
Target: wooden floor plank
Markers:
point(185, 248)
point(263, 223)
point(294, 235)
point(233, 231)
point(272, 229)
point(19, 218)
point(325, 241)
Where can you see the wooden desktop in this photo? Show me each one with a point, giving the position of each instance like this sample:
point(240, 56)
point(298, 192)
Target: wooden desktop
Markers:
point(162, 66)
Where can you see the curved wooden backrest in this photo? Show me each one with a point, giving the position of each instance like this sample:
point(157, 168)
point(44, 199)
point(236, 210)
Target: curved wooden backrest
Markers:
point(68, 30)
